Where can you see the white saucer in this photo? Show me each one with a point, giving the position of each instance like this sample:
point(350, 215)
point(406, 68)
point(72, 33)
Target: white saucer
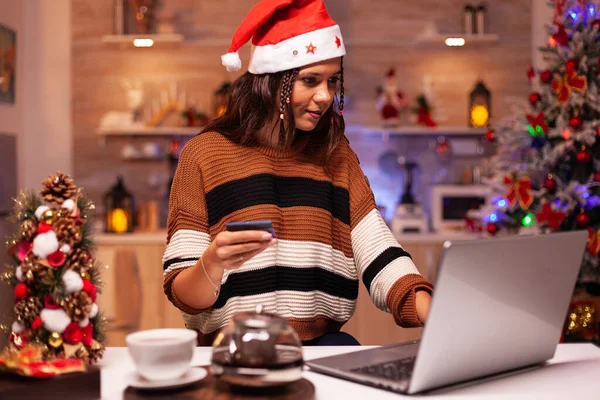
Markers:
point(193, 375)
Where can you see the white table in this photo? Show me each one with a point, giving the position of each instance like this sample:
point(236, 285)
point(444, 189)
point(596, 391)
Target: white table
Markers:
point(573, 373)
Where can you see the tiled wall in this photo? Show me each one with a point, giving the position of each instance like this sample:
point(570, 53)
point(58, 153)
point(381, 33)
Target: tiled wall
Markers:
point(368, 27)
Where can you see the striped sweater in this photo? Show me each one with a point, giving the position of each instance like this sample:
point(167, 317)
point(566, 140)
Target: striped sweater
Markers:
point(330, 235)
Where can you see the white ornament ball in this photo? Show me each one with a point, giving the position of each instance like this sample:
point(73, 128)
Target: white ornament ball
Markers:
point(65, 248)
point(18, 327)
point(19, 274)
point(69, 204)
point(72, 281)
point(40, 210)
point(55, 320)
point(94, 310)
point(45, 244)
point(84, 322)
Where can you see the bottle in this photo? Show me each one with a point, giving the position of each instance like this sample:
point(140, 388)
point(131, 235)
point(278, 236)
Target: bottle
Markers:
point(468, 19)
point(480, 18)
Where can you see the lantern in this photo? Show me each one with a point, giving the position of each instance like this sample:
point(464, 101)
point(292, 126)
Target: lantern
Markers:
point(480, 106)
point(120, 208)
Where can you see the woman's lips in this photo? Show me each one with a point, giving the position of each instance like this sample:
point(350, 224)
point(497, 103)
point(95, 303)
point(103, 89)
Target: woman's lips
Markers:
point(314, 114)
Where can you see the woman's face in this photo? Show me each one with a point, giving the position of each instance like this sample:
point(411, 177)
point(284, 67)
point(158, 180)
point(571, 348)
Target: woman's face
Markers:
point(314, 91)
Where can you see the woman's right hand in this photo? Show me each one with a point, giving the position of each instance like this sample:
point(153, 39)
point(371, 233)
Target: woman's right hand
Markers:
point(230, 250)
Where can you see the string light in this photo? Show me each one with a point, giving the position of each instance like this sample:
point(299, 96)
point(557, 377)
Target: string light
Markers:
point(527, 220)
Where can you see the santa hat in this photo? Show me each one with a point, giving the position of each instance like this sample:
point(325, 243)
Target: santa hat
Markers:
point(286, 34)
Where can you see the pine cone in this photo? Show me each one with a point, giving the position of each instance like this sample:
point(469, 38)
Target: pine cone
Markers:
point(56, 189)
point(27, 310)
point(67, 232)
point(96, 355)
point(44, 274)
point(79, 261)
point(77, 305)
point(28, 262)
point(28, 230)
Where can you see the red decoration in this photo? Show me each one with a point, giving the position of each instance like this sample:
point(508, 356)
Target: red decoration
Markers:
point(583, 156)
point(36, 324)
point(43, 228)
point(56, 259)
point(583, 220)
point(546, 76)
point(90, 289)
point(538, 120)
point(572, 65)
point(593, 246)
point(559, 11)
point(490, 135)
point(29, 361)
point(534, 99)
point(338, 41)
point(492, 228)
point(576, 122)
point(391, 100)
point(570, 81)
point(597, 176)
point(550, 184)
point(424, 118)
point(20, 291)
point(24, 248)
point(520, 190)
point(553, 218)
point(50, 304)
point(530, 73)
point(596, 23)
point(87, 335)
point(561, 37)
point(72, 333)
point(310, 48)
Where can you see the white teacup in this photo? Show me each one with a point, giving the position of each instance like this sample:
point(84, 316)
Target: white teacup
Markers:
point(162, 354)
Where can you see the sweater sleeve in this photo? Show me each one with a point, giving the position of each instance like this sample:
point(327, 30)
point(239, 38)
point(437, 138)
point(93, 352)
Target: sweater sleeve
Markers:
point(385, 268)
point(188, 235)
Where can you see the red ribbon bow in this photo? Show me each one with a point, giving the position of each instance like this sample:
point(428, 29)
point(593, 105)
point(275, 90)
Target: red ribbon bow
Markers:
point(520, 190)
point(559, 10)
point(553, 218)
point(538, 120)
point(570, 81)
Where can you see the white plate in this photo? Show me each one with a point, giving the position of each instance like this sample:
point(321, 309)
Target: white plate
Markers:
point(193, 375)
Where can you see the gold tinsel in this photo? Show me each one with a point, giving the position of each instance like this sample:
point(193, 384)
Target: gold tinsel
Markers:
point(27, 230)
point(77, 305)
point(79, 261)
point(56, 189)
point(27, 310)
point(67, 232)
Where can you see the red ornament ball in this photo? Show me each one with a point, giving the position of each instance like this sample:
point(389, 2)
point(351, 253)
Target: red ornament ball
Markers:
point(576, 122)
point(583, 220)
point(572, 65)
point(550, 184)
point(490, 136)
point(492, 228)
point(534, 99)
point(584, 156)
point(36, 324)
point(20, 291)
point(73, 333)
point(546, 76)
point(597, 176)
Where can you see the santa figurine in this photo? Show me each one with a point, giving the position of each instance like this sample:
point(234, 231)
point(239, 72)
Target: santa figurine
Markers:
point(391, 100)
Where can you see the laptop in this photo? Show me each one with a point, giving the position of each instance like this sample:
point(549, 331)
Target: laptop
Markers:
point(498, 305)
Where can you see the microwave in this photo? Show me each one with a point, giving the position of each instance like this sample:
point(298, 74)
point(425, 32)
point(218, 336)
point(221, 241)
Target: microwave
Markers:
point(449, 204)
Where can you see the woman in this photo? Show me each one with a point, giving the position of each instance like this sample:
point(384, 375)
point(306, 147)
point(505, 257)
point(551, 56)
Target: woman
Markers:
point(279, 153)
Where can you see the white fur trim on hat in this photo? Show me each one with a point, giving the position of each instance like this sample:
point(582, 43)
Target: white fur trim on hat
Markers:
point(72, 280)
point(294, 52)
point(55, 320)
point(231, 61)
point(45, 244)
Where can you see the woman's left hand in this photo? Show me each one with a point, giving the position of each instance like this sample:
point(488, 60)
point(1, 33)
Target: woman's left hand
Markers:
point(422, 303)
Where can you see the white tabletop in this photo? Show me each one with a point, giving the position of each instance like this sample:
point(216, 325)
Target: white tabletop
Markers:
point(572, 373)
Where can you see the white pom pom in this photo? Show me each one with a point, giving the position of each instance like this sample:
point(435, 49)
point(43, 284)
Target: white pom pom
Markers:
point(84, 322)
point(55, 320)
point(45, 244)
point(94, 310)
point(65, 248)
point(18, 327)
point(231, 61)
point(69, 204)
point(40, 210)
point(72, 280)
point(19, 274)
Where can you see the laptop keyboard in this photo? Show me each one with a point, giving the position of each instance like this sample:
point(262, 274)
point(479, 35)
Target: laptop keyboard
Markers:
point(396, 370)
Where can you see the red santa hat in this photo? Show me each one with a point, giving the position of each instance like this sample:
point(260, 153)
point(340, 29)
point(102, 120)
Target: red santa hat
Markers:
point(286, 34)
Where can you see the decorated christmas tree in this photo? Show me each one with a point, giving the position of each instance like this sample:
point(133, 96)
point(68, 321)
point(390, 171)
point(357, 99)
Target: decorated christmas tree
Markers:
point(54, 278)
point(547, 168)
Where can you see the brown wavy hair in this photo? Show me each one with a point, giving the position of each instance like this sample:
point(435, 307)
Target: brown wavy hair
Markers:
point(252, 104)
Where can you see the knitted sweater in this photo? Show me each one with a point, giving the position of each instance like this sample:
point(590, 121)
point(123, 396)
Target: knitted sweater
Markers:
point(329, 232)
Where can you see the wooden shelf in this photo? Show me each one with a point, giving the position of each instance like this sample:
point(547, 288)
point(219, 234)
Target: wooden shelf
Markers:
point(131, 38)
point(440, 39)
point(149, 131)
point(416, 131)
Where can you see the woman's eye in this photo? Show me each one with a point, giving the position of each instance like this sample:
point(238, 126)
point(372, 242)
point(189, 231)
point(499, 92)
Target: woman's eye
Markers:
point(308, 81)
point(334, 80)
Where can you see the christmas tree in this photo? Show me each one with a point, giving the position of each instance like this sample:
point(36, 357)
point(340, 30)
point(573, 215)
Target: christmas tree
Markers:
point(547, 167)
point(54, 277)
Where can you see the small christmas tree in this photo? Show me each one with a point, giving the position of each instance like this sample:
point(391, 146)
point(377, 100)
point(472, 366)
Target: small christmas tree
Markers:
point(547, 170)
point(54, 276)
